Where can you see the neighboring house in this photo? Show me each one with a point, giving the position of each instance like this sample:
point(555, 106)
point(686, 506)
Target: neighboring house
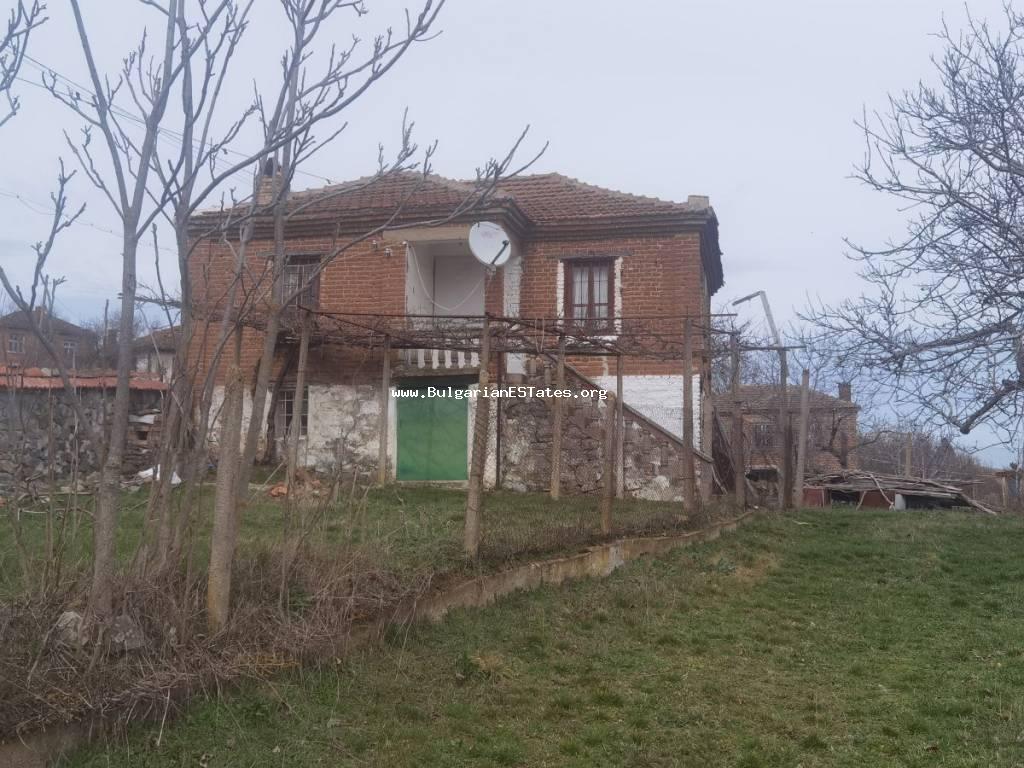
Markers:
point(154, 352)
point(831, 433)
point(20, 346)
point(578, 251)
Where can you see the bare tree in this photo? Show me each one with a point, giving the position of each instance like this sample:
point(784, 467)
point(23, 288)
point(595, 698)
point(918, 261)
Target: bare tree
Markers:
point(23, 19)
point(941, 328)
point(151, 173)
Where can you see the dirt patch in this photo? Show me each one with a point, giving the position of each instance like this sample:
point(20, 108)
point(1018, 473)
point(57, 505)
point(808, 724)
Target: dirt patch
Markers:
point(761, 568)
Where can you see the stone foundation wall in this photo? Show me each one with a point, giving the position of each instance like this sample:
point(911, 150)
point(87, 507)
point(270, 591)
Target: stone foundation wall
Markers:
point(652, 456)
point(26, 417)
point(344, 424)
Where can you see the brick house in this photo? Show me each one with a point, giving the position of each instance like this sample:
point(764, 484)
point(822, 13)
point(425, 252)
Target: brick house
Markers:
point(831, 433)
point(19, 345)
point(577, 251)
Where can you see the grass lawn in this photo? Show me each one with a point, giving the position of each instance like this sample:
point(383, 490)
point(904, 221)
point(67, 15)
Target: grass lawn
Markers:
point(814, 639)
point(403, 529)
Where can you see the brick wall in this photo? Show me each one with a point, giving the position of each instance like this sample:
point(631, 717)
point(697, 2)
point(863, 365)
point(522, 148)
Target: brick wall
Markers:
point(657, 276)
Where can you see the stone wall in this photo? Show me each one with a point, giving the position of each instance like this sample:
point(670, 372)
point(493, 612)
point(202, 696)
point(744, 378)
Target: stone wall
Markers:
point(651, 455)
point(26, 416)
point(344, 427)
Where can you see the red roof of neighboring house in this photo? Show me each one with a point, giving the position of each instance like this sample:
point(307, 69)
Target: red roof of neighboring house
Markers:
point(763, 397)
point(162, 339)
point(19, 321)
point(14, 377)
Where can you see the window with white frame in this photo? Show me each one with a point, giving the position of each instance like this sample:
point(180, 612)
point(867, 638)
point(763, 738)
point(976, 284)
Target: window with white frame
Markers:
point(15, 343)
point(589, 292)
point(299, 277)
point(286, 412)
point(70, 351)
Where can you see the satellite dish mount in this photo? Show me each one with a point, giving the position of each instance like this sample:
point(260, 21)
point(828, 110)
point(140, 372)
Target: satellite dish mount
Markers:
point(490, 244)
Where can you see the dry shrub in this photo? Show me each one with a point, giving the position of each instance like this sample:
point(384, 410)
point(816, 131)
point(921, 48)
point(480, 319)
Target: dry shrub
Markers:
point(45, 680)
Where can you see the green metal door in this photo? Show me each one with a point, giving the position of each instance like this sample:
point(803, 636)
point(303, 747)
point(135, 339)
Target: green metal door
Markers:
point(432, 437)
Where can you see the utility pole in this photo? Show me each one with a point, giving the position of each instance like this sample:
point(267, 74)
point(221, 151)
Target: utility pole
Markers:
point(782, 431)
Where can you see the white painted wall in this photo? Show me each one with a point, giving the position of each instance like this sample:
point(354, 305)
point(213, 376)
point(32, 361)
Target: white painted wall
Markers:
point(443, 279)
point(458, 284)
point(419, 280)
point(660, 399)
point(342, 417)
point(152, 361)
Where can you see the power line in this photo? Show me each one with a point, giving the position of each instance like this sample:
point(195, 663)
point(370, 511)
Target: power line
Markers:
point(35, 207)
point(172, 134)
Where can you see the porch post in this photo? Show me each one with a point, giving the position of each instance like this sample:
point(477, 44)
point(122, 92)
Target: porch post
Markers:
point(783, 431)
point(478, 461)
point(739, 459)
point(382, 424)
point(688, 473)
point(620, 432)
point(801, 448)
point(557, 417)
point(608, 473)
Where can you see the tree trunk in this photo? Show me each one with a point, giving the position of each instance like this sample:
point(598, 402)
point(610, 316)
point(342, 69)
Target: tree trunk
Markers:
point(105, 523)
point(225, 509)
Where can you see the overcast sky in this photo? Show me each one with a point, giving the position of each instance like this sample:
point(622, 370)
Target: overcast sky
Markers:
point(751, 103)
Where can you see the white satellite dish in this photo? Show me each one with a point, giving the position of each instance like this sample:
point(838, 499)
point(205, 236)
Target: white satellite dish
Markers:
point(489, 243)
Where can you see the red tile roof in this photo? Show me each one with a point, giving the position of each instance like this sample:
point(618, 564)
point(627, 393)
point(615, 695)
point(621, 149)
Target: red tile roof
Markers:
point(15, 377)
point(552, 197)
point(163, 339)
point(538, 205)
point(19, 321)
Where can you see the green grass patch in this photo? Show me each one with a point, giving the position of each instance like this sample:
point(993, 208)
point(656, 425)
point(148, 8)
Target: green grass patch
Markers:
point(402, 529)
point(829, 643)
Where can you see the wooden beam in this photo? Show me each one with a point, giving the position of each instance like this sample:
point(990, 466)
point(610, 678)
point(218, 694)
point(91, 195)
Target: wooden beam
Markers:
point(801, 447)
point(620, 432)
point(478, 461)
point(739, 459)
point(608, 473)
point(382, 424)
point(783, 431)
point(688, 468)
point(557, 424)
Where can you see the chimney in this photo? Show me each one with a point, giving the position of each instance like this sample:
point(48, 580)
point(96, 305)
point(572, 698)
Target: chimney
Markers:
point(845, 391)
point(699, 202)
point(265, 187)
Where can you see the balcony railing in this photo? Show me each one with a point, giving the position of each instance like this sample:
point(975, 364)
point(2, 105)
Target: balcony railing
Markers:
point(440, 359)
